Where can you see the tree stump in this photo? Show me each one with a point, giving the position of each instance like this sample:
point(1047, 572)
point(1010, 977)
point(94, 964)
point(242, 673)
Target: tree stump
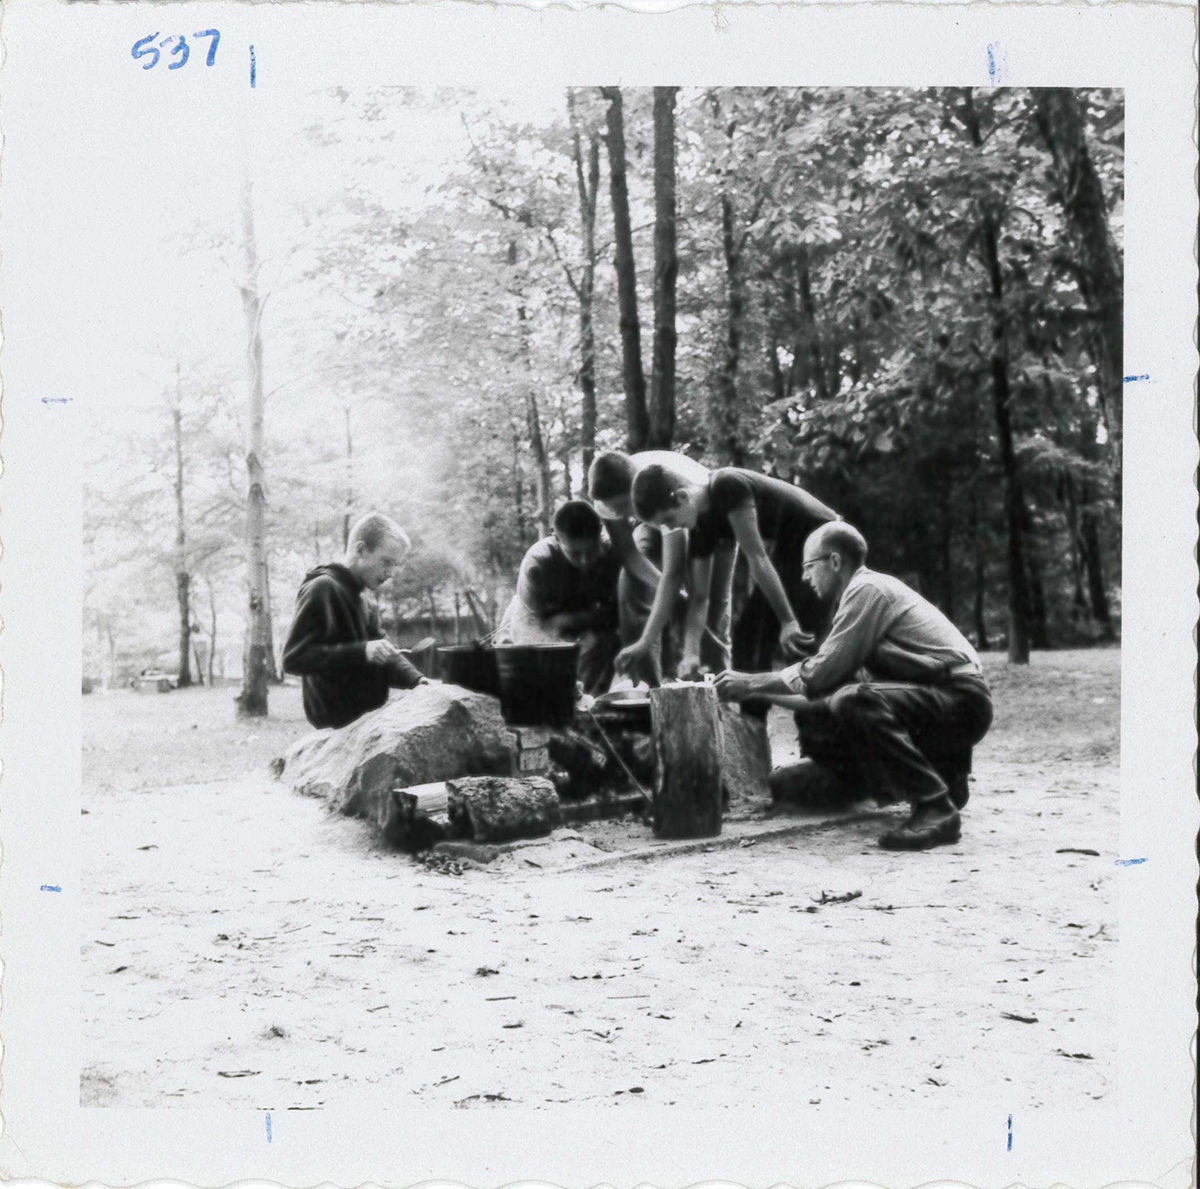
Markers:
point(686, 730)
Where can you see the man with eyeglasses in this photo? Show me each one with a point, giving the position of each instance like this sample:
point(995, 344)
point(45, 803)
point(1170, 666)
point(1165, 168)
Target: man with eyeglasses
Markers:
point(894, 699)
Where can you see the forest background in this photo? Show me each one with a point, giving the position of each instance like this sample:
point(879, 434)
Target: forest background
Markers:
point(444, 303)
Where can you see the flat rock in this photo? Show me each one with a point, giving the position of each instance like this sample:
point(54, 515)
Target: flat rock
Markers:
point(431, 733)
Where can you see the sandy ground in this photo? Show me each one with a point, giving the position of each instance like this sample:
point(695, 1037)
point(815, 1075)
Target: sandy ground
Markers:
point(241, 946)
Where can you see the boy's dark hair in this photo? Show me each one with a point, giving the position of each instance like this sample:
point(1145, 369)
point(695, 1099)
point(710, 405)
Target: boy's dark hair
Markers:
point(578, 521)
point(611, 475)
point(653, 492)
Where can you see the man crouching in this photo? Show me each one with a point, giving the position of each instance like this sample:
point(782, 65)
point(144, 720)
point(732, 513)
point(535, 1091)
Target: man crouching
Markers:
point(894, 699)
point(336, 644)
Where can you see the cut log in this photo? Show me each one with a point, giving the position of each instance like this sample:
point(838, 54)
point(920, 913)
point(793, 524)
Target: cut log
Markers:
point(686, 729)
point(417, 817)
point(500, 808)
point(745, 757)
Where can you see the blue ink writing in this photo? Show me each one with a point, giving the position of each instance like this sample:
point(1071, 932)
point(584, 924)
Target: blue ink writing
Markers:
point(991, 64)
point(1129, 862)
point(212, 45)
point(181, 47)
point(49, 887)
point(142, 50)
point(253, 71)
point(268, 1126)
point(55, 400)
point(150, 47)
point(1010, 1133)
point(1134, 379)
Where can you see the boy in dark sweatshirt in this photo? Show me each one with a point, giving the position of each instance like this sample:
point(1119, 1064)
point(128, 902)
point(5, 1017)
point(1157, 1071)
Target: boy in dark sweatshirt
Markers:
point(336, 644)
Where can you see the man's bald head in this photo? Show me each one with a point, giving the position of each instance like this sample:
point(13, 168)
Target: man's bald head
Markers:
point(838, 537)
point(832, 554)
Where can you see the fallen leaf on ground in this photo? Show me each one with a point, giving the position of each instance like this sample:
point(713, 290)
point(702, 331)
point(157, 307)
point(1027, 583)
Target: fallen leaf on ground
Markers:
point(518, 1024)
point(152, 846)
point(118, 969)
point(1008, 1015)
point(1078, 1056)
point(484, 971)
point(446, 1081)
point(238, 1073)
point(1075, 850)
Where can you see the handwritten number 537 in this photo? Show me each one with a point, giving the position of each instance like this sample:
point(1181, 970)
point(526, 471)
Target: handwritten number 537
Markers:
point(149, 47)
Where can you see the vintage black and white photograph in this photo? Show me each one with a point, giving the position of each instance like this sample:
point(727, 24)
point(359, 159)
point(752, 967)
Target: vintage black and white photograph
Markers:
point(607, 595)
point(596, 598)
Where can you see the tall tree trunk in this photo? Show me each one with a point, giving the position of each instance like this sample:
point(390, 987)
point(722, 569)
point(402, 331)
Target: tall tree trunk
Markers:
point(257, 663)
point(946, 544)
point(589, 186)
point(518, 485)
point(808, 315)
point(1089, 525)
point(726, 413)
point(636, 416)
point(1061, 124)
point(979, 611)
point(274, 676)
point(212, 633)
point(1014, 501)
point(533, 421)
point(182, 577)
point(666, 273)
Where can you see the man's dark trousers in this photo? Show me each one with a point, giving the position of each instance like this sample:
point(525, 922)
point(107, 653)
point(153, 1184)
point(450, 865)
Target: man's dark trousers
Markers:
point(898, 740)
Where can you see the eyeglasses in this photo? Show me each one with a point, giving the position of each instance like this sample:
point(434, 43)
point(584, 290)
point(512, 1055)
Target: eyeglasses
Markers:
point(808, 565)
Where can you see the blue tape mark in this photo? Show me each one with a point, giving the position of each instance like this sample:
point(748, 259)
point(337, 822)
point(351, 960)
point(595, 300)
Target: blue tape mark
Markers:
point(1129, 862)
point(1134, 379)
point(268, 1126)
point(55, 400)
point(991, 64)
point(1010, 1133)
point(253, 68)
point(49, 887)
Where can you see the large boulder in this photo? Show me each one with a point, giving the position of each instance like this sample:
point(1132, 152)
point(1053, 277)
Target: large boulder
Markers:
point(431, 733)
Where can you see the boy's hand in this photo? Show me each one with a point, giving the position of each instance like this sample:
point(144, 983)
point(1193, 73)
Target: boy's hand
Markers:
point(631, 655)
point(795, 641)
point(381, 652)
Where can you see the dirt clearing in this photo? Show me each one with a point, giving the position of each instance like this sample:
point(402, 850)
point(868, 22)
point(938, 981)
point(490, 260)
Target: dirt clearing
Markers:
point(242, 947)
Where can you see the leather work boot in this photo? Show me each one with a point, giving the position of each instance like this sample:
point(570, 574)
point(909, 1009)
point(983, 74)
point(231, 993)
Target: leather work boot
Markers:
point(933, 823)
